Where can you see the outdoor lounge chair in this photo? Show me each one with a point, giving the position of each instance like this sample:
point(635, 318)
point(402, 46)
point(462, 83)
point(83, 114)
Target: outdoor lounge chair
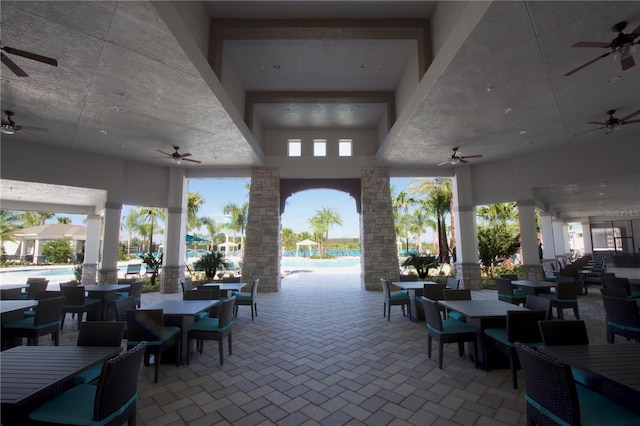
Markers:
point(133, 269)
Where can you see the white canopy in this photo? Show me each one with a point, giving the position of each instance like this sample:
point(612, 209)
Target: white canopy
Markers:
point(305, 243)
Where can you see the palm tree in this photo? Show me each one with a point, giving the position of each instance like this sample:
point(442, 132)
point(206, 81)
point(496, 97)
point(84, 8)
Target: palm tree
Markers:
point(401, 204)
point(31, 219)
point(194, 202)
point(130, 225)
point(8, 225)
point(501, 212)
point(323, 221)
point(440, 202)
point(420, 221)
point(63, 220)
point(152, 214)
point(288, 238)
point(213, 228)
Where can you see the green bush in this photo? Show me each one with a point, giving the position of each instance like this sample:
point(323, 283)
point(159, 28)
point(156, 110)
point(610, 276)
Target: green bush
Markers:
point(58, 251)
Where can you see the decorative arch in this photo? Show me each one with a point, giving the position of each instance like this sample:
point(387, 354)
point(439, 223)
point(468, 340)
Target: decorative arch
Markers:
point(288, 187)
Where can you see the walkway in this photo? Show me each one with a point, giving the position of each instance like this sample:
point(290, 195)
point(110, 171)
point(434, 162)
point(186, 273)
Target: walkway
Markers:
point(320, 352)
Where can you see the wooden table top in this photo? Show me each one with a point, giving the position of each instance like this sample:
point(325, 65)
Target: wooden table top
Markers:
point(27, 371)
point(412, 285)
point(183, 307)
point(481, 308)
point(618, 362)
point(16, 305)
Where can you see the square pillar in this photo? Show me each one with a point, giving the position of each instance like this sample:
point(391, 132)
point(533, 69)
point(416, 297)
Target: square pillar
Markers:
point(467, 261)
point(531, 267)
point(175, 231)
point(110, 243)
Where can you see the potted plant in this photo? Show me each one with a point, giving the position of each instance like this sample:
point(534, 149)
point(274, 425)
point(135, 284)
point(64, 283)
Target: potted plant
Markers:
point(152, 265)
point(210, 263)
point(77, 272)
point(421, 264)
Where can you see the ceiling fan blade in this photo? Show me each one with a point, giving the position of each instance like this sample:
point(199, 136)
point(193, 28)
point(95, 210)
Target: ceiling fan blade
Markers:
point(588, 63)
point(162, 152)
point(460, 160)
point(633, 114)
point(472, 156)
point(591, 44)
point(627, 63)
point(188, 154)
point(597, 122)
point(13, 66)
point(630, 122)
point(37, 129)
point(636, 32)
point(588, 131)
point(193, 161)
point(33, 56)
point(444, 163)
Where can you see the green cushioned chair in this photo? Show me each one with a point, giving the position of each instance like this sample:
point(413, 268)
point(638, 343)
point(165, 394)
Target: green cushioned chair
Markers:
point(111, 402)
point(622, 318)
point(204, 293)
point(394, 298)
point(566, 297)
point(552, 396)
point(463, 294)
point(508, 294)
point(147, 325)
point(213, 329)
point(248, 299)
point(447, 331)
point(45, 321)
point(522, 326)
point(76, 302)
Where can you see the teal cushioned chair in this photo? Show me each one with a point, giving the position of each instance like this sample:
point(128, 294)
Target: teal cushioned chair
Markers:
point(553, 398)
point(508, 294)
point(394, 298)
point(45, 321)
point(450, 294)
point(566, 297)
point(76, 302)
point(447, 331)
point(213, 329)
point(204, 293)
point(111, 402)
point(248, 299)
point(522, 326)
point(622, 318)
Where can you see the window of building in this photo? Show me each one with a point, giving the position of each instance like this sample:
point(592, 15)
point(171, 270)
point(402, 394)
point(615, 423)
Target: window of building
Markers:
point(319, 147)
point(294, 148)
point(345, 147)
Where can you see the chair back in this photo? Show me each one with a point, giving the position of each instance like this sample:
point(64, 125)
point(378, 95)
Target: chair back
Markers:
point(225, 315)
point(254, 288)
point(564, 279)
point(48, 295)
point(133, 269)
point(618, 282)
point(122, 305)
point(511, 277)
point(73, 296)
point(504, 287)
point(569, 272)
point(614, 292)
point(145, 325)
point(606, 275)
point(69, 284)
point(433, 291)
point(522, 326)
point(187, 285)
point(385, 288)
point(549, 386)
point(622, 312)
point(568, 290)
point(118, 383)
point(233, 279)
point(101, 333)
point(432, 315)
point(36, 279)
point(563, 332)
point(464, 294)
point(453, 283)
point(135, 289)
point(35, 287)
point(538, 303)
point(204, 293)
point(48, 311)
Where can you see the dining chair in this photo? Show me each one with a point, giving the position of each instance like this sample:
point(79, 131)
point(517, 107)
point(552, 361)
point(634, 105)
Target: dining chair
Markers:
point(187, 285)
point(112, 401)
point(35, 287)
point(76, 302)
point(248, 299)
point(394, 298)
point(565, 297)
point(447, 331)
point(522, 326)
point(614, 292)
point(570, 332)
point(204, 293)
point(147, 325)
point(45, 321)
point(450, 294)
point(507, 293)
point(511, 277)
point(621, 282)
point(135, 290)
point(622, 318)
point(213, 329)
point(97, 333)
point(553, 398)
point(537, 303)
point(453, 283)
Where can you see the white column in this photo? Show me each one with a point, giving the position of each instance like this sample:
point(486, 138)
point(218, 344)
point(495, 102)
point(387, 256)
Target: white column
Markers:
point(565, 240)
point(91, 250)
point(586, 238)
point(558, 237)
point(529, 240)
point(37, 251)
point(110, 243)
point(467, 266)
point(548, 242)
point(173, 259)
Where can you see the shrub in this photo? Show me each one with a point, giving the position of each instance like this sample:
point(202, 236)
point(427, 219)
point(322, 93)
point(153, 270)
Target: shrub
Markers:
point(58, 251)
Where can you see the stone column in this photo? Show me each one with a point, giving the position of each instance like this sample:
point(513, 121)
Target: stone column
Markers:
point(262, 244)
point(586, 238)
point(378, 251)
point(91, 250)
point(548, 243)
point(531, 267)
point(467, 262)
point(108, 273)
point(173, 256)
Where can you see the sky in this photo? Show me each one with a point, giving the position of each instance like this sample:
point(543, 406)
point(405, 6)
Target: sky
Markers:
point(299, 209)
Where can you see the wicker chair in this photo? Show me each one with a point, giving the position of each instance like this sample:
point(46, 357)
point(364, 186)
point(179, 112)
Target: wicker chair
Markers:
point(522, 326)
point(214, 329)
point(203, 293)
point(614, 292)
point(553, 398)
point(565, 298)
point(447, 331)
point(111, 402)
point(622, 318)
point(394, 298)
point(618, 282)
point(45, 321)
point(453, 283)
point(507, 293)
point(248, 299)
point(97, 333)
point(147, 325)
point(434, 293)
point(538, 303)
point(449, 294)
point(187, 285)
point(75, 302)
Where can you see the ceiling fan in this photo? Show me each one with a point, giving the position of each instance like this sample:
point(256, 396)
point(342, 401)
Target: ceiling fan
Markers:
point(177, 157)
point(621, 46)
point(33, 56)
point(456, 159)
point(9, 127)
point(612, 122)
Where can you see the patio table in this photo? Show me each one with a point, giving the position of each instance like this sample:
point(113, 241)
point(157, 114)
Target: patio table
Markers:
point(32, 375)
point(226, 287)
point(11, 290)
point(106, 293)
point(415, 289)
point(534, 287)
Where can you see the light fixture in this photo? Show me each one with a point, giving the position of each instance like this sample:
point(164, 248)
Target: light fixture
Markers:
point(506, 110)
point(7, 129)
point(624, 52)
point(118, 108)
point(615, 79)
point(176, 160)
point(523, 132)
point(103, 131)
point(276, 66)
point(363, 66)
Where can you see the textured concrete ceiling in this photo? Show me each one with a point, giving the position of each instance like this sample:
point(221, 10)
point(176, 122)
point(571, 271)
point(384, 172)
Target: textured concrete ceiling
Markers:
point(124, 87)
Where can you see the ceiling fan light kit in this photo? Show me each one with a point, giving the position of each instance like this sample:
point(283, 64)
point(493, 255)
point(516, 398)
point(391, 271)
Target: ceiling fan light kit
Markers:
point(455, 159)
point(176, 157)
